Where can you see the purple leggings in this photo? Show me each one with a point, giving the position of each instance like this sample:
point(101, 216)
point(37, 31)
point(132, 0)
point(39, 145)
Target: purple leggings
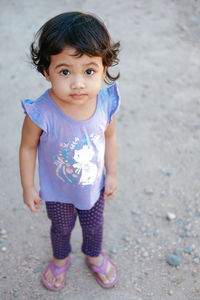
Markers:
point(63, 218)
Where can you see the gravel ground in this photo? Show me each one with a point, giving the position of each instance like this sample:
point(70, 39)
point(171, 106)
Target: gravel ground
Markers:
point(152, 226)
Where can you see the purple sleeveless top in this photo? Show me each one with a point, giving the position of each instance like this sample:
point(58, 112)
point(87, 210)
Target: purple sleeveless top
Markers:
point(71, 152)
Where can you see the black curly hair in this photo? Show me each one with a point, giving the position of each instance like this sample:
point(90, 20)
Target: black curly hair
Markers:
point(84, 32)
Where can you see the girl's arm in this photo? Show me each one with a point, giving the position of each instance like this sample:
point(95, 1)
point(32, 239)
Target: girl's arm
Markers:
point(110, 185)
point(28, 150)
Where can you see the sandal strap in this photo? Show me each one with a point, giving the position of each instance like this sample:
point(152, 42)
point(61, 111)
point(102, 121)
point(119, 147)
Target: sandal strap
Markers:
point(103, 267)
point(57, 270)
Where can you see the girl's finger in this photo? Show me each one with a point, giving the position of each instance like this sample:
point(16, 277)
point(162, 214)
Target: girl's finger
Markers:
point(109, 195)
point(38, 201)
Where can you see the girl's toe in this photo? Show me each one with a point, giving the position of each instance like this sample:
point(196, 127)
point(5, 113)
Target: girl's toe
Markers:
point(49, 277)
point(58, 282)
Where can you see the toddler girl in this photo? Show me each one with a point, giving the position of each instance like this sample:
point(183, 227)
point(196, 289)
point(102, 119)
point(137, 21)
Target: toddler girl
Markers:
point(72, 126)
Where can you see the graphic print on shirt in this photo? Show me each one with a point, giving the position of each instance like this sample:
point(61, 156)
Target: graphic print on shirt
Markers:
point(83, 163)
point(77, 161)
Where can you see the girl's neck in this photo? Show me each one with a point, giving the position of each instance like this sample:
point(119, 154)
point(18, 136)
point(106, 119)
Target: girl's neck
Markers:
point(77, 112)
point(82, 112)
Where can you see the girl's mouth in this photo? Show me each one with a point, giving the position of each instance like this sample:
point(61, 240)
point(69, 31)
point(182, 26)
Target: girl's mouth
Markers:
point(77, 96)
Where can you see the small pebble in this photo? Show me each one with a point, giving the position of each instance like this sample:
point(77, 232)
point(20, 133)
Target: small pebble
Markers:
point(150, 213)
point(3, 231)
point(143, 229)
point(113, 250)
point(188, 208)
point(165, 172)
point(135, 212)
point(15, 292)
point(139, 290)
point(148, 191)
point(150, 294)
point(170, 293)
point(196, 260)
point(145, 254)
point(188, 250)
point(193, 246)
point(136, 219)
point(138, 240)
point(4, 249)
point(127, 246)
point(169, 81)
point(197, 214)
point(156, 233)
point(47, 236)
point(164, 194)
point(170, 216)
point(37, 271)
point(194, 273)
point(173, 260)
point(126, 238)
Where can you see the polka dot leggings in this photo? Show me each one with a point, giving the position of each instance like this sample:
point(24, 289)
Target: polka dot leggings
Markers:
point(63, 218)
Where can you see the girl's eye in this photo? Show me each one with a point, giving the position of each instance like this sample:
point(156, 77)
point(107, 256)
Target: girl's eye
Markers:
point(89, 72)
point(65, 72)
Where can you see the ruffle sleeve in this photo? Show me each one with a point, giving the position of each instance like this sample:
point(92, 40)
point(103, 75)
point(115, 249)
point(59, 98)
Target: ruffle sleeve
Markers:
point(34, 110)
point(113, 101)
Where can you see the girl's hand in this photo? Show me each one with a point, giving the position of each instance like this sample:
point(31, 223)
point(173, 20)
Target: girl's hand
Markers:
point(32, 199)
point(110, 186)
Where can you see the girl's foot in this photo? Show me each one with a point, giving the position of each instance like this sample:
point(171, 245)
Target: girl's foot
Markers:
point(54, 274)
point(105, 271)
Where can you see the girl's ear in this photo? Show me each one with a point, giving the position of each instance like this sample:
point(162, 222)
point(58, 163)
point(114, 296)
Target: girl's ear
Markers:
point(46, 75)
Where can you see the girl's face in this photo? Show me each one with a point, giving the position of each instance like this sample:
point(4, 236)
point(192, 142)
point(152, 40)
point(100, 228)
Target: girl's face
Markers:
point(75, 80)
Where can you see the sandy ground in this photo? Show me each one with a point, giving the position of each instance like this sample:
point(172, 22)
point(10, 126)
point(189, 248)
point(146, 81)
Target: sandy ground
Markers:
point(158, 128)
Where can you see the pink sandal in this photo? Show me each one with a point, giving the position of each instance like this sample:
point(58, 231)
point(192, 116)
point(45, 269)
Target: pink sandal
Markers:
point(56, 272)
point(102, 269)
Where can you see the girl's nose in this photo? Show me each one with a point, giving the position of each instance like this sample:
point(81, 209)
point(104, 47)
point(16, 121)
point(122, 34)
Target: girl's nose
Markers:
point(77, 83)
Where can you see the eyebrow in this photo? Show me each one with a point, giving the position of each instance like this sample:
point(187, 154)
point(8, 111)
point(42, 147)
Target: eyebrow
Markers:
point(62, 65)
point(85, 65)
point(91, 64)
